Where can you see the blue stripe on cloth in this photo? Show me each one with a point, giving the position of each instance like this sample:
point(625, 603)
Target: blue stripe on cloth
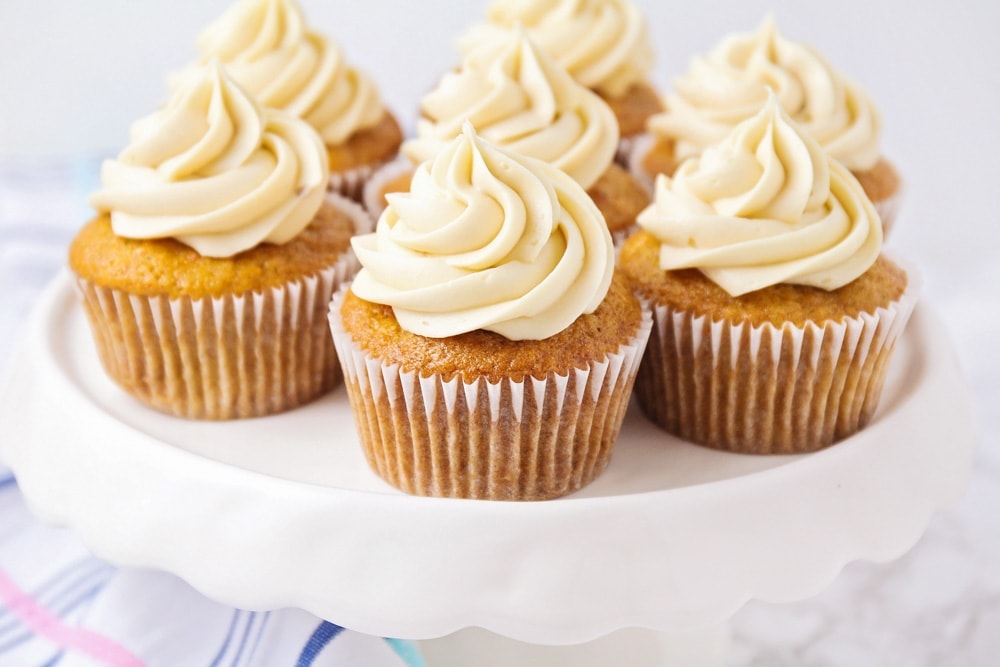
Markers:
point(228, 638)
point(7, 481)
point(264, 618)
point(249, 625)
point(321, 636)
point(55, 659)
point(243, 639)
point(407, 651)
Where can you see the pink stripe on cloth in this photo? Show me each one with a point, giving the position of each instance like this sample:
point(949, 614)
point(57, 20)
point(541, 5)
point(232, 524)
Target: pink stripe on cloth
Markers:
point(44, 623)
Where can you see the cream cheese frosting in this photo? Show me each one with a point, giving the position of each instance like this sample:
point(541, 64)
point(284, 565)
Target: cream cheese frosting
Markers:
point(268, 49)
point(730, 84)
point(604, 44)
point(765, 206)
point(518, 97)
point(487, 239)
point(215, 171)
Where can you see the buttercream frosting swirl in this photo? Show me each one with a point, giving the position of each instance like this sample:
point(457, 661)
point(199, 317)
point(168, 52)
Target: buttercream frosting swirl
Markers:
point(604, 44)
point(731, 83)
point(268, 49)
point(519, 98)
point(487, 239)
point(215, 171)
point(765, 206)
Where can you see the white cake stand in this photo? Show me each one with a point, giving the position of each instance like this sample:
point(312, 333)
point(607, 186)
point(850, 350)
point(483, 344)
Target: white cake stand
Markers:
point(283, 512)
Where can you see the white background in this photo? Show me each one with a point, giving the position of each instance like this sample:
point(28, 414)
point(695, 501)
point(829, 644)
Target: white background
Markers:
point(74, 75)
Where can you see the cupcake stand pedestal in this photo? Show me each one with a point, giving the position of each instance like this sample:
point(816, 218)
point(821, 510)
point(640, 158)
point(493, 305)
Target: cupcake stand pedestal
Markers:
point(642, 567)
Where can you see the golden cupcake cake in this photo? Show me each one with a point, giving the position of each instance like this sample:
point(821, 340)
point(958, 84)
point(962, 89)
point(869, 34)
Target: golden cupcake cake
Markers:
point(731, 83)
point(775, 312)
point(270, 50)
point(207, 273)
point(603, 44)
point(488, 347)
point(518, 97)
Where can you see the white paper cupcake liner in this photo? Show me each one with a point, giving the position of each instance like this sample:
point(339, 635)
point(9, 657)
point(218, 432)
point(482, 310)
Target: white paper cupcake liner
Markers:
point(225, 357)
point(619, 237)
point(373, 198)
point(764, 389)
point(639, 147)
point(351, 183)
point(888, 210)
point(513, 440)
point(363, 221)
point(625, 147)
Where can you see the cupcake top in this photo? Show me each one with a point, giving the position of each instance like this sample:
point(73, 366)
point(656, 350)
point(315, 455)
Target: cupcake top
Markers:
point(518, 97)
point(270, 51)
point(215, 171)
point(766, 206)
point(730, 84)
point(603, 44)
point(487, 239)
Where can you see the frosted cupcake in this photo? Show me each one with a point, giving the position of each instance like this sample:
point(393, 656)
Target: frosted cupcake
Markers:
point(775, 313)
point(730, 84)
point(603, 44)
point(488, 347)
point(519, 98)
point(268, 48)
point(207, 273)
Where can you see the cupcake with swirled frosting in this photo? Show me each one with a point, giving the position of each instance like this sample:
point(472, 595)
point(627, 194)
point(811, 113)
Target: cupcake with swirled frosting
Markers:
point(520, 98)
point(488, 346)
point(775, 311)
point(270, 50)
point(729, 85)
point(603, 44)
point(207, 273)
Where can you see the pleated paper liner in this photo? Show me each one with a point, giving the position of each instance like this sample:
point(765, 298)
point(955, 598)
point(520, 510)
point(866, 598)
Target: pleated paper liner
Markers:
point(619, 237)
point(626, 146)
point(373, 197)
point(633, 155)
point(534, 439)
point(767, 389)
point(228, 357)
point(351, 182)
point(888, 210)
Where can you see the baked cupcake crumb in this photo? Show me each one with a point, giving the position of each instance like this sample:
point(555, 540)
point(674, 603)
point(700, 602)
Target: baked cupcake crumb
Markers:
point(690, 291)
point(489, 355)
point(166, 267)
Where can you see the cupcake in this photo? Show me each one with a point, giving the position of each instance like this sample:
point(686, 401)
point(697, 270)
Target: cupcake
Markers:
point(775, 311)
point(518, 97)
point(731, 83)
point(603, 44)
point(268, 48)
point(488, 347)
point(207, 273)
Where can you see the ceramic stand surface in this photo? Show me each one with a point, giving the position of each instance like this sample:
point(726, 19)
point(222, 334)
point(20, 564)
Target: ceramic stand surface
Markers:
point(633, 647)
point(284, 511)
